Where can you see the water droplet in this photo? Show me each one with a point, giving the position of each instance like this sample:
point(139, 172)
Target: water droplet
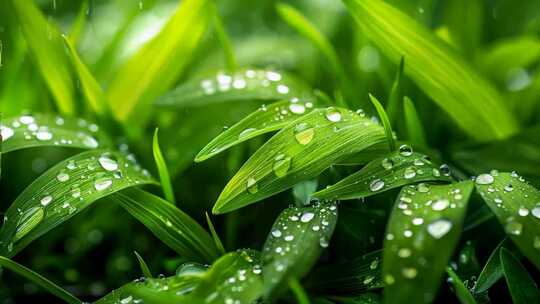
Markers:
point(404, 253)
point(536, 211)
point(276, 233)
point(46, 200)
point(323, 242)
point(422, 187)
point(289, 238)
point(246, 132)
point(28, 220)
point(523, 211)
point(484, 179)
point(409, 173)
point(273, 76)
point(6, 132)
point(445, 170)
point(44, 135)
point(376, 185)
point(282, 89)
point(281, 165)
point(307, 216)
point(75, 193)
point(90, 142)
point(389, 279)
point(252, 186)
point(62, 177)
point(333, 114)
point(409, 272)
point(405, 150)
point(439, 228)
point(417, 221)
point(508, 188)
point(102, 183)
point(303, 133)
point(26, 119)
point(108, 163)
point(440, 204)
point(513, 227)
point(387, 163)
point(239, 83)
point(297, 108)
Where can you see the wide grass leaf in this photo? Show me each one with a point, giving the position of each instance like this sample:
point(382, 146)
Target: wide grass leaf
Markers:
point(265, 119)
point(38, 130)
point(522, 286)
point(243, 84)
point(461, 291)
point(422, 233)
point(470, 100)
point(159, 62)
point(294, 244)
point(172, 226)
point(517, 207)
point(300, 151)
point(65, 190)
point(384, 173)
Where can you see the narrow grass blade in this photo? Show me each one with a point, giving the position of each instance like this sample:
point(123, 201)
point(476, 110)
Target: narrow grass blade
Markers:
point(300, 151)
point(78, 25)
point(144, 268)
point(462, 292)
point(422, 233)
point(517, 207)
point(242, 85)
point(158, 64)
point(224, 40)
point(522, 286)
point(384, 173)
point(492, 271)
point(215, 236)
point(39, 280)
point(92, 90)
point(46, 45)
point(266, 119)
point(172, 226)
point(385, 122)
point(298, 291)
point(470, 100)
point(415, 130)
point(65, 190)
point(294, 244)
point(163, 171)
point(392, 108)
point(37, 130)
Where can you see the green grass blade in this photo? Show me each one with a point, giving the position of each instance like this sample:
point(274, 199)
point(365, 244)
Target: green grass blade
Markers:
point(265, 119)
point(215, 236)
point(144, 268)
point(46, 45)
point(92, 90)
point(462, 292)
point(300, 151)
point(78, 25)
point(39, 130)
point(163, 171)
point(39, 280)
point(241, 85)
point(158, 63)
point(385, 122)
point(294, 244)
point(516, 205)
point(172, 226)
point(298, 291)
point(415, 130)
point(224, 40)
point(470, 100)
point(492, 271)
point(384, 173)
point(65, 190)
point(392, 108)
point(522, 286)
point(422, 232)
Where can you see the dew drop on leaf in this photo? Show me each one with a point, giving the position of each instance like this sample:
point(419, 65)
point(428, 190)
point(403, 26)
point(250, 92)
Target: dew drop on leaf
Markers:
point(484, 179)
point(46, 200)
point(439, 228)
point(29, 219)
point(536, 211)
point(6, 132)
point(276, 233)
point(405, 150)
point(409, 173)
point(440, 204)
point(333, 114)
point(102, 183)
point(387, 163)
point(409, 272)
point(246, 132)
point(62, 177)
point(281, 165)
point(376, 185)
point(303, 133)
point(522, 211)
point(307, 216)
point(297, 108)
point(252, 186)
point(108, 163)
point(513, 227)
point(282, 89)
point(44, 135)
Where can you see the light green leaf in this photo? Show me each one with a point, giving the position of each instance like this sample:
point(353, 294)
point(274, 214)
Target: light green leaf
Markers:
point(303, 192)
point(465, 20)
point(422, 233)
point(159, 62)
point(46, 44)
point(215, 236)
point(266, 119)
point(470, 100)
point(462, 292)
point(65, 190)
point(79, 23)
point(172, 226)
point(241, 85)
point(300, 151)
point(294, 244)
point(517, 206)
point(384, 173)
point(164, 176)
point(39, 280)
point(415, 130)
point(144, 268)
point(27, 131)
point(492, 271)
point(385, 122)
point(523, 288)
point(392, 108)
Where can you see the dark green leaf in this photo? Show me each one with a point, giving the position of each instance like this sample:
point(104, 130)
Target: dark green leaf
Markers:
point(523, 288)
point(144, 268)
point(462, 292)
point(492, 271)
point(415, 130)
point(393, 106)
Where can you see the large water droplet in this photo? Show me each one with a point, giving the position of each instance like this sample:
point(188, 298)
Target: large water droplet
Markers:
point(281, 165)
point(536, 211)
point(90, 142)
point(44, 135)
point(440, 204)
point(282, 89)
point(251, 185)
point(376, 185)
point(62, 177)
point(6, 132)
point(46, 200)
point(484, 179)
point(26, 119)
point(387, 163)
point(276, 233)
point(273, 76)
point(108, 163)
point(28, 220)
point(102, 183)
point(405, 150)
point(297, 108)
point(409, 173)
point(333, 114)
point(303, 133)
point(246, 132)
point(439, 228)
point(513, 227)
point(307, 216)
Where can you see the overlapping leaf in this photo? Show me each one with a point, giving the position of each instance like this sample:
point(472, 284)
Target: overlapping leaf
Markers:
point(461, 291)
point(492, 270)
point(421, 235)
point(517, 206)
point(63, 191)
point(300, 151)
point(385, 173)
point(295, 242)
point(522, 286)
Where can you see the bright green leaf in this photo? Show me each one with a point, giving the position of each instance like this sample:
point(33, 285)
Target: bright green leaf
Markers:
point(215, 236)
point(385, 122)
point(164, 176)
point(415, 130)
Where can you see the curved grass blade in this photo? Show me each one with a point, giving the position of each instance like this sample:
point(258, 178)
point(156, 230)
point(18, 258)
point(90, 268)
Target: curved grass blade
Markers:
point(392, 108)
point(164, 176)
point(243, 84)
point(415, 130)
point(385, 122)
point(159, 62)
point(27, 131)
point(523, 288)
point(266, 119)
point(422, 233)
point(517, 207)
point(300, 151)
point(78, 24)
point(294, 244)
point(144, 268)
point(492, 271)
point(469, 99)
point(462, 292)
point(44, 40)
point(39, 280)
point(65, 190)
point(172, 226)
point(215, 236)
point(298, 291)
point(384, 173)
point(224, 40)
